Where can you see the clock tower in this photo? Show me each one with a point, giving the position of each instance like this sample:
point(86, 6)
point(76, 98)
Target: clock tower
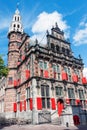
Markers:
point(15, 34)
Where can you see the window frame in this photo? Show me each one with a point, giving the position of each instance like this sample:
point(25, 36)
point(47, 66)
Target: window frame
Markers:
point(18, 97)
point(45, 93)
point(81, 94)
point(57, 90)
point(71, 93)
point(27, 93)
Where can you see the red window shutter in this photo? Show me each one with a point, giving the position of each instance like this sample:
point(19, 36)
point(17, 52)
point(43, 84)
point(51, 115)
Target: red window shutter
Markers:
point(15, 83)
point(68, 101)
point(86, 101)
point(20, 106)
point(64, 76)
point(75, 78)
point(31, 104)
point(77, 101)
point(46, 74)
point(53, 104)
point(15, 107)
point(27, 74)
point(24, 105)
point(84, 81)
point(39, 103)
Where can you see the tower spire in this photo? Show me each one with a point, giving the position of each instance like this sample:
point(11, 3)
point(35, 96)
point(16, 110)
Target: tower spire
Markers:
point(16, 24)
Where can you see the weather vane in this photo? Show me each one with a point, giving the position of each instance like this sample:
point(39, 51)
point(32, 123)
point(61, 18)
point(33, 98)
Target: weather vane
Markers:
point(17, 5)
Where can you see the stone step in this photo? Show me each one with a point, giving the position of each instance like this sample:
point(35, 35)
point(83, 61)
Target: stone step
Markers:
point(57, 121)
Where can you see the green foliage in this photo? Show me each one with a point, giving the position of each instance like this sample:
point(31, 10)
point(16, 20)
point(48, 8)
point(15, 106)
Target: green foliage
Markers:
point(3, 68)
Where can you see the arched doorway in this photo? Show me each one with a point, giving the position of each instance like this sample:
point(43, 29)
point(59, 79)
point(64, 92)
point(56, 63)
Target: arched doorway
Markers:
point(60, 106)
point(76, 120)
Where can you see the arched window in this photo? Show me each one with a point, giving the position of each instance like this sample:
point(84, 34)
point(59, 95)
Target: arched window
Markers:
point(18, 18)
point(14, 25)
point(18, 26)
point(15, 18)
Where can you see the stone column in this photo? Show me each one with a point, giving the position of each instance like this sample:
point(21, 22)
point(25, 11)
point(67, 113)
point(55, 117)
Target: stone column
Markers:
point(34, 95)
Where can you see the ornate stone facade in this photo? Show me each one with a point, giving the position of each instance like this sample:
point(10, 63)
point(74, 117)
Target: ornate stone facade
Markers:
point(45, 83)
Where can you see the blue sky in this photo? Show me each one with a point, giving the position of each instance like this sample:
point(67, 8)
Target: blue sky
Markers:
point(40, 15)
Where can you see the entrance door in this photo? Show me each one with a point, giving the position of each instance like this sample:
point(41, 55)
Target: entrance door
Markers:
point(76, 119)
point(60, 106)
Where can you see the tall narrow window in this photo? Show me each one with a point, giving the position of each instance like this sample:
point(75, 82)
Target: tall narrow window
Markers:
point(10, 80)
point(18, 101)
point(76, 71)
point(69, 73)
point(56, 70)
point(18, 18)
point(71, 93)
point(59, 91)
point(57, 48)
point(67, 70)
point(14, 25)
point(45, 65)
point(18, 26)
point(28, 66)
point(41, 64)
point(18, 97)
point(81, 94)
point(63, 50)
point(27, 93)
point(28, 97)
point(45, 96)
point(15, 18)
point(52, 47)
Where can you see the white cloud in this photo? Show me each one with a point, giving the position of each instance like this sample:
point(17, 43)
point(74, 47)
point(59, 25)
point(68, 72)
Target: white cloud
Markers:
point(45, 21)
point(80, 36)
point(4, 24)
point(85, 72)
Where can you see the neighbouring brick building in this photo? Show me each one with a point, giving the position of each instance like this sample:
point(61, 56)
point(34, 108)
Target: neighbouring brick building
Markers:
point(44, 83)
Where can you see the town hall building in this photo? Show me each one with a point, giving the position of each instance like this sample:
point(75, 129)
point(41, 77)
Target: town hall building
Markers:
point(45, 84)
